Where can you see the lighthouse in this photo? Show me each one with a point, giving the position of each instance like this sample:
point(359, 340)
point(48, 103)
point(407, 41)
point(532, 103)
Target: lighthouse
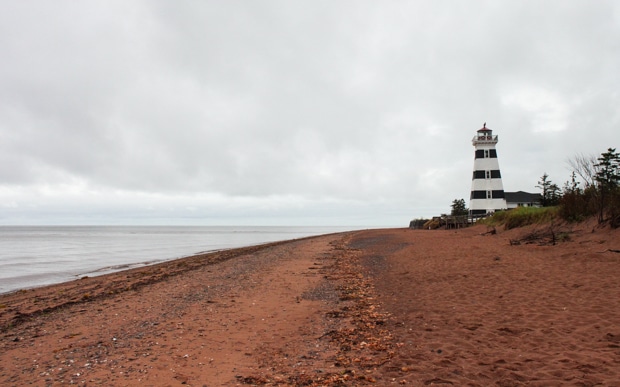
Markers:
point(487, 190)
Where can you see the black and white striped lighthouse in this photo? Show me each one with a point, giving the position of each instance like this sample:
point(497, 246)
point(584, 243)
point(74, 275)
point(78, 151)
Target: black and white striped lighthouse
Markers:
point(487, 190)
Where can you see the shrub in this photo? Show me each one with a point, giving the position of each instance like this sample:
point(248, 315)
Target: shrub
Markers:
point(578, 206)
point(521, 216)
point(574, 207)
point(614, 209)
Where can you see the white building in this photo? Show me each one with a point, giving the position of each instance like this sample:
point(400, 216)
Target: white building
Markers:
point(487, 190)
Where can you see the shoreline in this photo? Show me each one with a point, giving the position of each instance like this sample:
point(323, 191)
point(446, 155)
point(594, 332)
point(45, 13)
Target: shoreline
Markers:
point(369, 307)
point(148, 274)
point(42, 256)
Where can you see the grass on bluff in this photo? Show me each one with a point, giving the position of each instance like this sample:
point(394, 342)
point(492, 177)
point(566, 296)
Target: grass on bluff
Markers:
point(521, 216)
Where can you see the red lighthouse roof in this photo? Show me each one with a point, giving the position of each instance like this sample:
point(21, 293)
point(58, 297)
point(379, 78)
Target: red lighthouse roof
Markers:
point(484, 128)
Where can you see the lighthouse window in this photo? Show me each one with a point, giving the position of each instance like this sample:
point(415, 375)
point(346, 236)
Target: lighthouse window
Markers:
point(487, 174)
point(478, 174)
point(489, 195)
point(486, 153)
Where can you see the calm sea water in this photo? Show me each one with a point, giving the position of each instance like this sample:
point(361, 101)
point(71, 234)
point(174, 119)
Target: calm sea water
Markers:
point(36, 256)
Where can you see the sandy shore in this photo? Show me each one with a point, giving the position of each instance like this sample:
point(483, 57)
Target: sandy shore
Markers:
point(376, 307)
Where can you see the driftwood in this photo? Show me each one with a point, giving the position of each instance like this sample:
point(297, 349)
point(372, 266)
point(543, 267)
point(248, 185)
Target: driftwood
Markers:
point(490, 231)
point(610, 250)
point(549, 236)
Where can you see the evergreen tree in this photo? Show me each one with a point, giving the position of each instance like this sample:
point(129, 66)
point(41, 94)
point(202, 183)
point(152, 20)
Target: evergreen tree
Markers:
point(572, 186)
point(608, 179)
point(608, 170)
point(550, 191)
point(458, 207)
point(555, 194)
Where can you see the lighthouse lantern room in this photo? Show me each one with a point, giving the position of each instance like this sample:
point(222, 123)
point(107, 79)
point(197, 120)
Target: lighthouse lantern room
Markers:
point(487, 190)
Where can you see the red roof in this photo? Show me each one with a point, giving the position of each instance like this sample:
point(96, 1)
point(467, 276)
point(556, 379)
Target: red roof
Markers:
point(484, 128)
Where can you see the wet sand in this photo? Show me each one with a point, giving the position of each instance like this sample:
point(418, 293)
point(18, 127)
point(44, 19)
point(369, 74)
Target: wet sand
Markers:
point(375, 307)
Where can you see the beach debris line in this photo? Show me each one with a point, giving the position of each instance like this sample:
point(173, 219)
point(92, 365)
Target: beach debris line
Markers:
point(358, 335)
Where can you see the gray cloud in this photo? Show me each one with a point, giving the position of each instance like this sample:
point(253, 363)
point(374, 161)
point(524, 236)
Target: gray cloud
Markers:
point(350, 112)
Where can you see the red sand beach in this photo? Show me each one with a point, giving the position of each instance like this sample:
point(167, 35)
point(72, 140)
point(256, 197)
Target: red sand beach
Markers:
point(376, 307)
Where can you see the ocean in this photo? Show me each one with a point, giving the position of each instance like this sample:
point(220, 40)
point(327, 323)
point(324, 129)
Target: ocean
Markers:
point(32, 256)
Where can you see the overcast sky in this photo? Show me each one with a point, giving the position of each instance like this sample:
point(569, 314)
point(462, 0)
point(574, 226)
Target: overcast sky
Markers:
point(329, 112)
